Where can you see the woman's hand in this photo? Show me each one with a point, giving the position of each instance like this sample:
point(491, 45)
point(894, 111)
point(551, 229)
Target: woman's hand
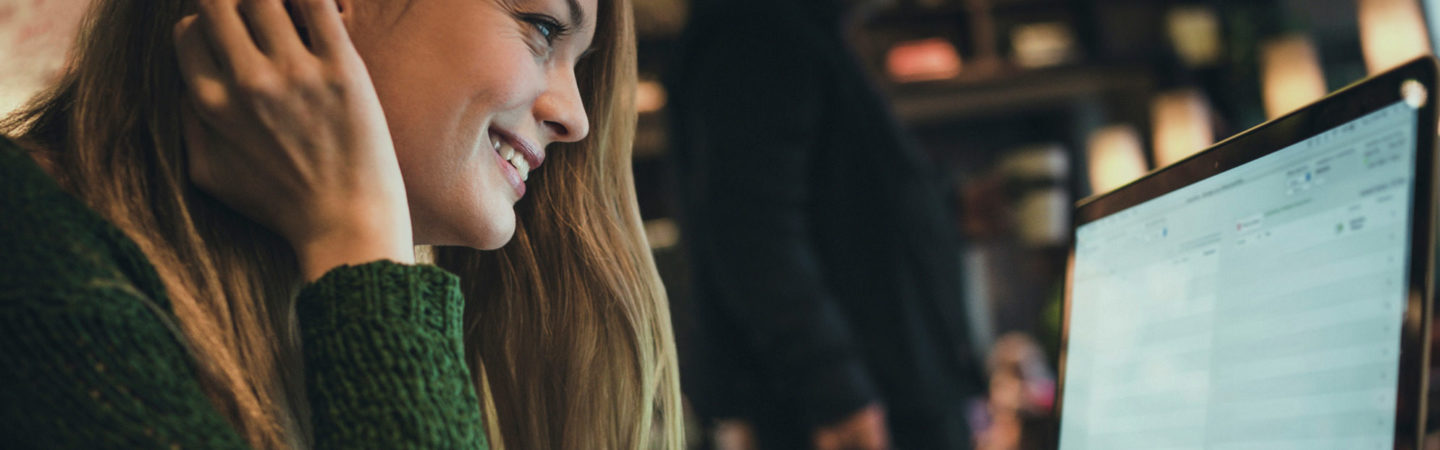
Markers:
point(292, 135)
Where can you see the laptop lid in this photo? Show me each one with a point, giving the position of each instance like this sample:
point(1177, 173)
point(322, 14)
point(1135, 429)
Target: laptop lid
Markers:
point(1270, 292)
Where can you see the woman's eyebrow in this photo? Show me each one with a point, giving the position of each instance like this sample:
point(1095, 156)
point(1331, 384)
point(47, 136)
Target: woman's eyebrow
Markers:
point(577, 15)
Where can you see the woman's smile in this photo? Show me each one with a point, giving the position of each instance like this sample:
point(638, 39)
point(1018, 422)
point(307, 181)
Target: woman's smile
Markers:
point(517, 158)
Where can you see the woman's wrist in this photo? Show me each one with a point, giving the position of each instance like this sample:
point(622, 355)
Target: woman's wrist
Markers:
point(354, 245)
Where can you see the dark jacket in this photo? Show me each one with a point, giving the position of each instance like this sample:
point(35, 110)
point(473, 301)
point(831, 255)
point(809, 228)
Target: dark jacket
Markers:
point(825, 262)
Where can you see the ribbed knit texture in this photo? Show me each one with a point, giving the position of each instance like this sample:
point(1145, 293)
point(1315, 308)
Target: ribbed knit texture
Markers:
point(86, 360)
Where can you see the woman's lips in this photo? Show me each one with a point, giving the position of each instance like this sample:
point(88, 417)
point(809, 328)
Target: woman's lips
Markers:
point(533, 153)
point(511, 175)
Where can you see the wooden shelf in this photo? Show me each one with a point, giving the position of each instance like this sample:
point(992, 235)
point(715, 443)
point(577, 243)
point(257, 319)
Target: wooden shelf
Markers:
point(1009, 92)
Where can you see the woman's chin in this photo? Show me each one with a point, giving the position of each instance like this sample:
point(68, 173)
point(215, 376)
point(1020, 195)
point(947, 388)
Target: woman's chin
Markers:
point(489, 234)
point(500, 232)
point(490, 238)
point(494, 242)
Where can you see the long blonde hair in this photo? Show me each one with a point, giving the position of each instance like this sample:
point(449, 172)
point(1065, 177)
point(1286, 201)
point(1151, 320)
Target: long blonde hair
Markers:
point(567, 328)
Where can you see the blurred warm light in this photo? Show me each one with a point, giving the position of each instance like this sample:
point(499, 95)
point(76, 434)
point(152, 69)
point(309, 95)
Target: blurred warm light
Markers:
point(1043, 44)
point(1042, 213)
point(1290, 74)
point(1116, 157)
point(424, 254)
point(1195, 32)
point(922, 60)
point(1391, 32)
point(660, 17)
point(662, 233)
point(1182, 123)
point(649, 96)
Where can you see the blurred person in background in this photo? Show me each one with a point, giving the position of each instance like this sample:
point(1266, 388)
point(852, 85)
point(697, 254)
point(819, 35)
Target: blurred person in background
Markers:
point(827, 309)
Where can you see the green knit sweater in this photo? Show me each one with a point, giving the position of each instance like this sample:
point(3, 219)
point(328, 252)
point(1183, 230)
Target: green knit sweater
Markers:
point(87, 362)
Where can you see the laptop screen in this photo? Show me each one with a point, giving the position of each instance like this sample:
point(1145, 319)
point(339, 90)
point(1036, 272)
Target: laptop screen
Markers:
point(1258, 308)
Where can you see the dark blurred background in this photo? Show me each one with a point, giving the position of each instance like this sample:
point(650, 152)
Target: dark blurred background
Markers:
point(1025, 105)
point(1030, 105)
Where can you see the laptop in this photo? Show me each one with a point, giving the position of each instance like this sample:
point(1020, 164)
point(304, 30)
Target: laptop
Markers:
point(1271, 292)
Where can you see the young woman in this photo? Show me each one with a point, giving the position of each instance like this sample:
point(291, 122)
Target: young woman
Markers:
point(208, 226)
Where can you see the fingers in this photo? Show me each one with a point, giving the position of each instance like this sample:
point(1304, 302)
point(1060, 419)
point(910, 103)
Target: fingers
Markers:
point(198, 67)
point(327, 29)
point(273, 28)
point(228, 36)
point(199, 155)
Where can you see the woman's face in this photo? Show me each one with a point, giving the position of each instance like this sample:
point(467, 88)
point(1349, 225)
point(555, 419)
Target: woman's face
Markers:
point(473, 91)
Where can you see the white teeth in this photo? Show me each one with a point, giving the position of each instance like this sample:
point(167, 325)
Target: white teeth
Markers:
point(510, 155)
point(515, 159)
point(522, 166)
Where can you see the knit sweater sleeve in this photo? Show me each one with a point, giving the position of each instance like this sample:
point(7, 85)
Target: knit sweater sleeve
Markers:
point(93, 365)
point(384, 359)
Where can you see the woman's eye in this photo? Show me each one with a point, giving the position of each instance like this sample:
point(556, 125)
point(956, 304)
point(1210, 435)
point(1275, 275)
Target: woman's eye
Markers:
point(549, 28)
point(545, 30)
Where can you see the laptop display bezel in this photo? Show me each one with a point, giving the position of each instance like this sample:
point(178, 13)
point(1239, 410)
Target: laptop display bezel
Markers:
point(1332, 111)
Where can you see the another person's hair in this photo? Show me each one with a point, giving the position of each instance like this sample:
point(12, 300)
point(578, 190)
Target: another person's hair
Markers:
point(567, 328)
